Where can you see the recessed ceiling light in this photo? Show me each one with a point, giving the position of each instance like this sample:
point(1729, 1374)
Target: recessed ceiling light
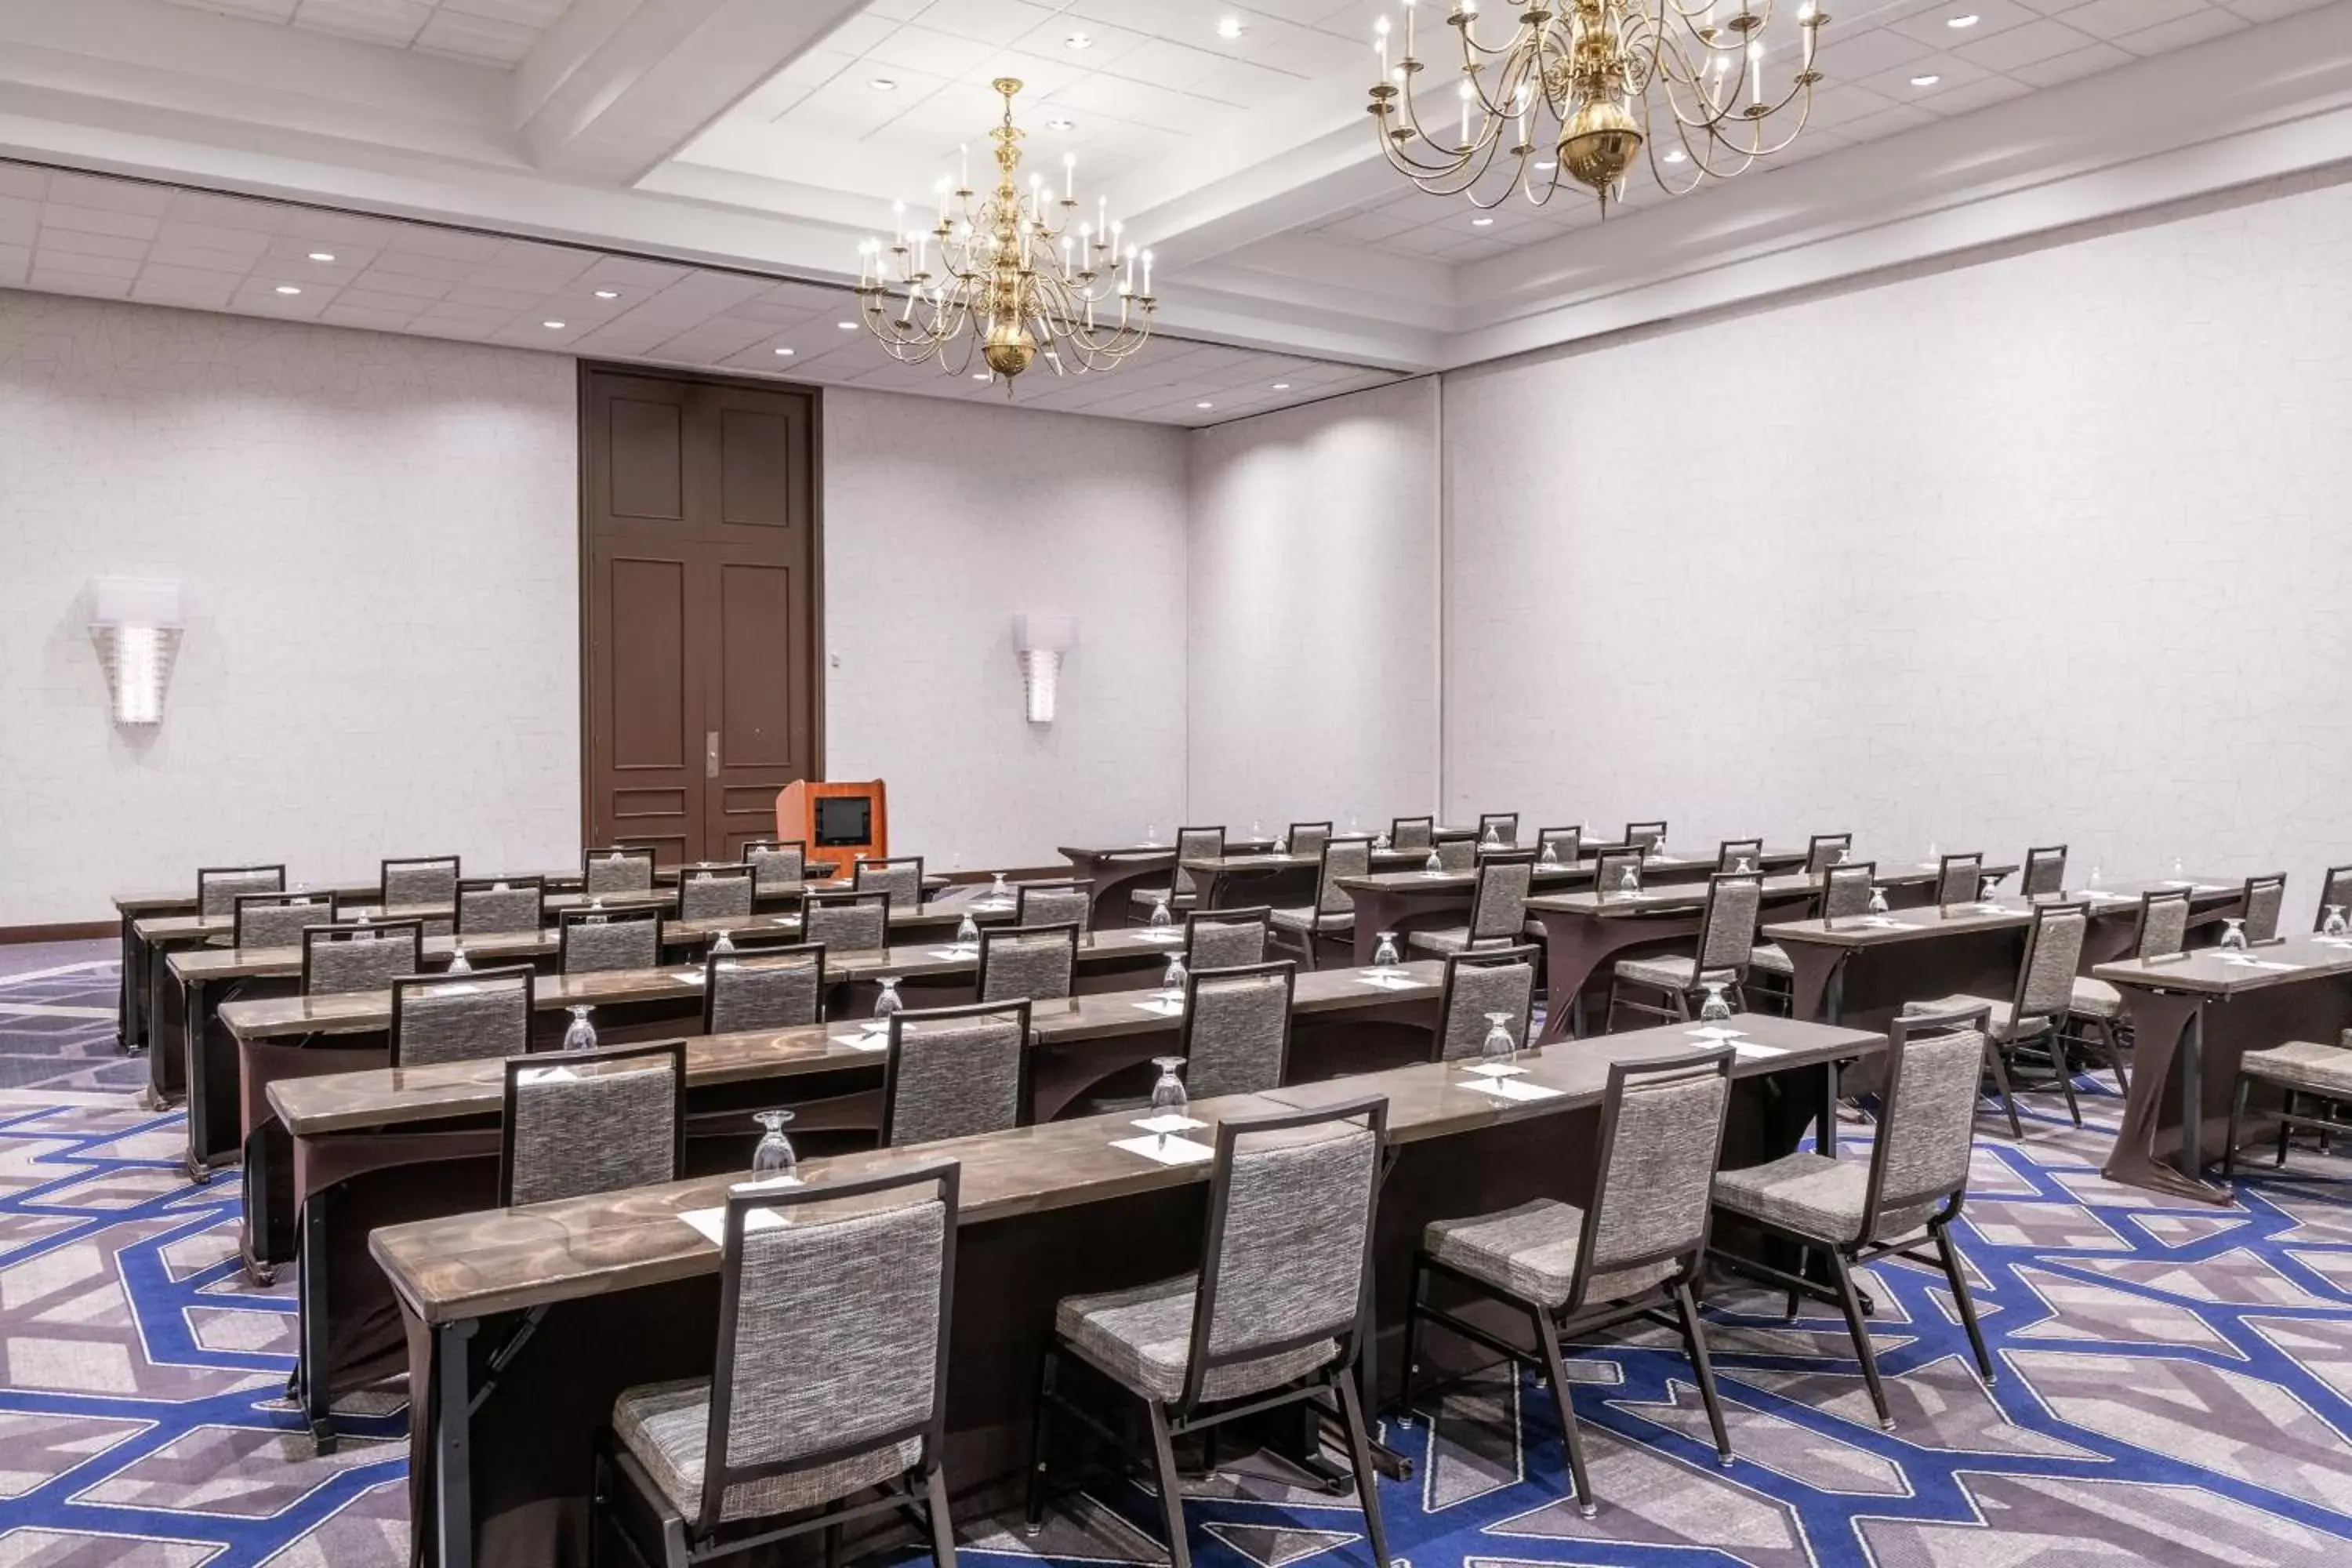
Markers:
point(883, 84)
point(287, 288)
point(1229, 26)
point(1482, 223)
point(980, 375)
point(1060, 124)
point(1078, 41)
point(552, 326)
point(846, 326)
point(1677, 156)
point(1968, 20)
point(786, 353)
point(608, 293)
point(1928, 81)
point(1204, 406)
point(1546, 165)
point(323, 256)
point(1282, 387)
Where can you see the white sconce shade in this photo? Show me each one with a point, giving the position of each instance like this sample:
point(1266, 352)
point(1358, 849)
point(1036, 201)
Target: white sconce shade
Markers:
point(1041, 640)
point(136, 623)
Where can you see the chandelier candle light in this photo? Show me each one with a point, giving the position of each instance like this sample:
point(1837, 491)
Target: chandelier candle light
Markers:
point(1583, 85)
point(1015, 280)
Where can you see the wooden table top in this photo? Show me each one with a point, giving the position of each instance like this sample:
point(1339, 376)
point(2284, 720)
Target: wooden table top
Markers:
point(198, 928)
point(211, 965)
point(2118, 901)
point(1419, 881)
point(470, 1265)
point(1110, 1013)
point(2212, 972)
point(1217, 865)
point(350, 1012)
point(1234, 844)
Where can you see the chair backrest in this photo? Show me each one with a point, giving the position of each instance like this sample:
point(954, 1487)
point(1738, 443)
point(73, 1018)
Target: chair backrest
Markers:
point(1741, 855)
point(1236, 1028)
point(1289, 1229)
point(2054, 952)
point(339, 958)
point(1728, 928)
point(623, 869)
point(2336, 889)
point(461, 1018)
point(1226, 939)
point(778, 865)
point(2163, 923)
point(1824, 850)
point(1308, 837)
point(418, 881)
point(766, 988)
point(1196, 843)
point(1646, 835)
point(833, 1330)
point(1492, 980)
point(901, 877)
point(1412, 832)
point(1926, 1119)
point(2265, 899)
point(1959, 878)
point(2045, 871)
point(1341, 858)
point(1456, 852)
point(846, 923)
point(492, 905)
point(592, 1122)
point(1567, 844)
point(1498, 906)
point(716, 893)
point(593, 939)
point(219, 886)
point(279, 919)
point(1845, 890)
point(952, 1072)
point(1054, 904)
point(1661, 1131)
point(1505, 826)
point(1027, 963)
point(1609, 868)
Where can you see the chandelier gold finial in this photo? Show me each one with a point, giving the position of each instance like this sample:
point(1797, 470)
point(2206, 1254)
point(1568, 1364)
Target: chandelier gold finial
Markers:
point(1015, 282)
point(1615, 77)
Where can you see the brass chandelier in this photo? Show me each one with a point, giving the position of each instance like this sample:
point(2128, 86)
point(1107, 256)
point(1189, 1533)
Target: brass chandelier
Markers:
point(1015, 280)
point(1583, 85)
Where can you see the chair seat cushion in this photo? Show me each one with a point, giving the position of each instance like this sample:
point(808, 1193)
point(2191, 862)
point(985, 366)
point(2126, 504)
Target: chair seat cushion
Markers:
point(1453, 939)
point(1771, 958)
point(2001, 1025)
point(664, 1424)
point(1144, 897)
point(1813, 1196)
point(1143, 1339)
point(2096, 999)
point(1530, 1252)
point(2303, 1065)
point(1307, 919)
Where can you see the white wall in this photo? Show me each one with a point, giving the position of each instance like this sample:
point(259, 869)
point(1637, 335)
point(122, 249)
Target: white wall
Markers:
point(1314, 612)
point(2047, 549)
point(377, 537)
point(942, 521)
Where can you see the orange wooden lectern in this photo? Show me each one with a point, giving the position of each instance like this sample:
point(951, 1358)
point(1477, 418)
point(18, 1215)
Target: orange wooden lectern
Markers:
point(838, 822)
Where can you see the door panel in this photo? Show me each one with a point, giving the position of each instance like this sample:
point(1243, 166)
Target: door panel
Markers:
point(647, 616)
point(648, 460)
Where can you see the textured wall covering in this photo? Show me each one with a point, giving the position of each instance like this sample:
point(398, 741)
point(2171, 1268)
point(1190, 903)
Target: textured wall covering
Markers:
point(942, 521)
point(2046, 549)
point(377, 536)
point(1314, 610)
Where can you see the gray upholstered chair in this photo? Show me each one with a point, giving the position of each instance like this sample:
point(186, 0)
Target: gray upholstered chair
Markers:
point(593, 939)
point(2044, 876)
point(624, 868)
point(1845, 895)
point(1617, 870)
point(846, 923)
point(954, 1072)
point(2096, 1006)
point(1226, 938)
point(2299, 1071)
point(461, 1018)
point(279, 919)
point(779, 865)
point(1498, 906)
point(1501, 827)
point(1960, 879)
point(2264, 900)
point(360, 956)
point(2044, 995)
point(1566, 844)
point(1412, 832)
point(1332, 916)
point(1631, 1251)
point(428, 881)
point(765, 988)
point(1646, 835)
point(579, 1122)
point(1271, 1318)
point(1823, 851)
point(1727, 946)
point(1740, 855)
point(218, 888)
point(1237, 1036)
point(1031, 963)
point(1070, 903)
point(1307, 838)
point(1478, 984)
point(830, 1384)
point(2335, 892)
point(1183, 891)
point(1456, 851)
point(901, 877)
point(1851, 1214)
point(716, 893)
point(489, 906)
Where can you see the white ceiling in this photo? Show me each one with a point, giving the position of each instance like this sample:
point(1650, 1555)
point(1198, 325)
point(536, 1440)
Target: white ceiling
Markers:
point(116, 240)
point(492, 32)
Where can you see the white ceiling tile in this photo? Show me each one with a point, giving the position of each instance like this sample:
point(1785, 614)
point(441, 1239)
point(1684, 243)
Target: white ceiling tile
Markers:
point(2180, 32)
point(48, 257)
point(2071, 67)
point(55, 281)
point(485, 39)
point(99, 220)
point(2036, 41)
point(2113, 19)
point(74, 242)
point(1933, 26)
point(18, 180)
point(110, 195)
point(990, 21)
point(920, 48)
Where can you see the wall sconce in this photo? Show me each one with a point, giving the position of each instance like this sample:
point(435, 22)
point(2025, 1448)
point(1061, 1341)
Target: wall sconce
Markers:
point(136, 624)
point(1041, 640)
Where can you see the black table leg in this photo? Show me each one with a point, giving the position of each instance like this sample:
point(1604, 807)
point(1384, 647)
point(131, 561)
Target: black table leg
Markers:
point(453, 1445)
point(2192, 1097)
point(310, 1301)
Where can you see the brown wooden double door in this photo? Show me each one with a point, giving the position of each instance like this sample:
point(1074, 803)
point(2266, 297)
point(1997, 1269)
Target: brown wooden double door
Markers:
point(698, 502)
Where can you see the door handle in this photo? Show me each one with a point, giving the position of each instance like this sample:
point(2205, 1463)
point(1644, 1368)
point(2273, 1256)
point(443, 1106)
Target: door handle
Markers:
point(710, 756)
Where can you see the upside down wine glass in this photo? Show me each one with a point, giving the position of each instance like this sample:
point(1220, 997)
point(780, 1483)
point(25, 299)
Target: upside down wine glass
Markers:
point(1384, 955)
point(1715, 1009)
point(1168, 1096)
point(2333, 925)
point(888, 1000)
point(967, 931)
point(1498, 1046)
point(1161, 919)
point(1877, 900)
point(774, 1156)
point(2233, 936)
point(1171, 979)
point(582, 1035)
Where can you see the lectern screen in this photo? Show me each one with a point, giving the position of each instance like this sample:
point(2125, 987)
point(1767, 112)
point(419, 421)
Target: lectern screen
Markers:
point(845, 819)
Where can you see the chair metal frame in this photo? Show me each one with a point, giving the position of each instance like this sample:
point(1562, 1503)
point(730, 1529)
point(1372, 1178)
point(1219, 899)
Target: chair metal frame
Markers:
point(1681, 1010)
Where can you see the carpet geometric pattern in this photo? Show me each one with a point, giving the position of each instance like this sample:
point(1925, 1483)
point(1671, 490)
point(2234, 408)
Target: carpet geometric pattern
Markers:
point(2175, 1386)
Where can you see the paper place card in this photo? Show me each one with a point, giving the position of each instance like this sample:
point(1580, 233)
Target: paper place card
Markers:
point(693, 979)
point(2260, 963)
point(2099, 896)
point(763, 1184)
point(1167, 1151)
point(874, 1042)
point(1380, 982)
point(1713, 1033)
point(1495, 1069)
point(1169, 935)
point(1751, 1050)
point(1887, 922)
point(546, 1075)
point(950, 954)
point(711, 1224)
point(1160, 1009)
point(1512, 1088)
point(1171, 1122)
point(991, 906)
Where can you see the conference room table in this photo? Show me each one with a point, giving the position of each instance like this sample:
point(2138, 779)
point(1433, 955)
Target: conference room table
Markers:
point(619, 1289)
point(1230, 880)
point(1119, 870)
point(387, 1145)
point(2193, 1019)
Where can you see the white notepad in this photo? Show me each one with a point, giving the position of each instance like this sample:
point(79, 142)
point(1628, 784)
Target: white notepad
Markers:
point(1160, 1009)
point(546, 1075)
point(711, 1224)
point(1714, 1033)
point(879, 1041)
point(1171, 1122)
point(1751, 1050)
point(693, 979)
point(1381, 982)
point(950, 955)
point(1153, 935)
point(1495, 1069)
point(1511, 1089)
point(1167, 1151)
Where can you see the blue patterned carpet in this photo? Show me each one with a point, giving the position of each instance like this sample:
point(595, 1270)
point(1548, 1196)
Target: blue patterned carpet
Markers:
point(2176, 1387)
